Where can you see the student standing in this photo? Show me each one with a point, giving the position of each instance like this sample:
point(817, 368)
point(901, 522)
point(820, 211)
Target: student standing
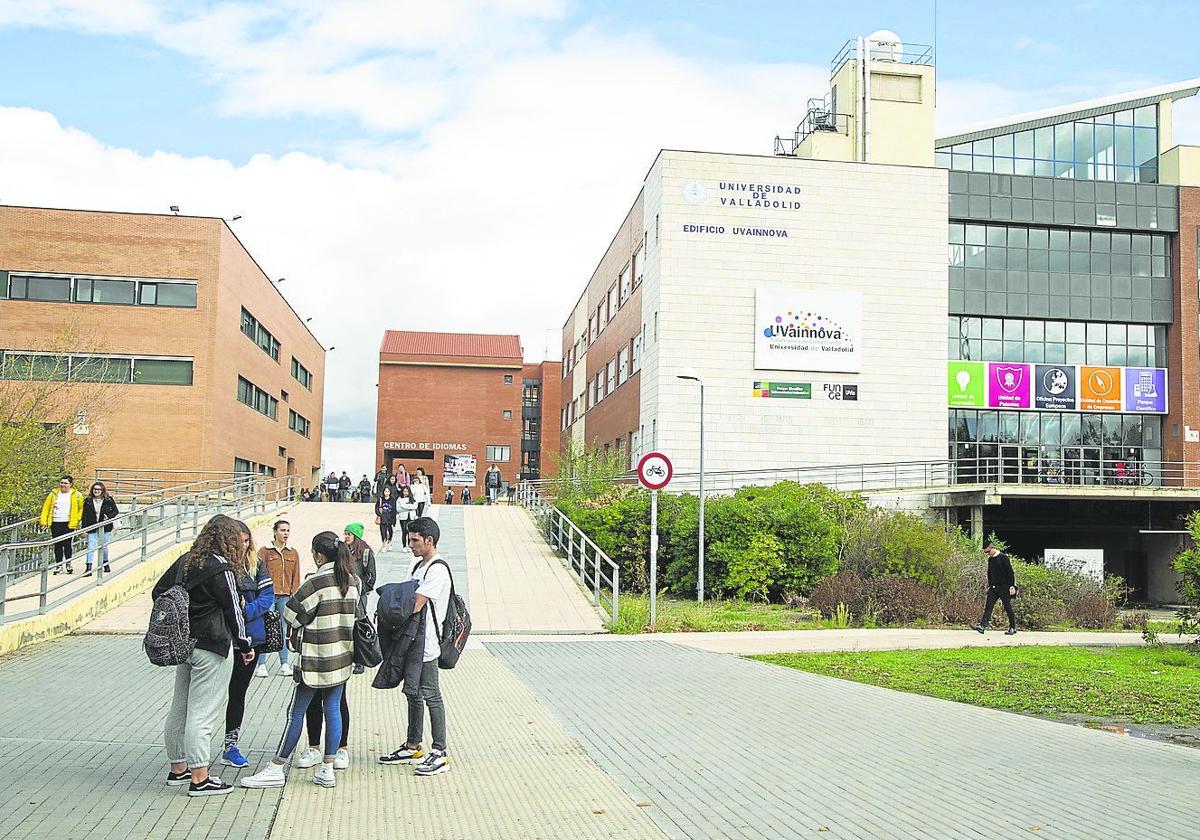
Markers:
point(381, 479)
point(256, 597)
point(215, 623)
point(491, 483)
point(364, 489)
point(282, 563)
point(433, 593)
point(62, 512)
point(1002, 586)
point(385, 517)
point(420, 493)
point(406, 511)
point(324, 608)
point(401, 476)
point(99, 507)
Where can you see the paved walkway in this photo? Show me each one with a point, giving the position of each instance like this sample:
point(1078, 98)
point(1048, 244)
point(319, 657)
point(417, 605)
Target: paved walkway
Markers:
point(519, 585)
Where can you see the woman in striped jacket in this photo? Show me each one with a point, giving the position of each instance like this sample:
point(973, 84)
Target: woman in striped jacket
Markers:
point(324, 609)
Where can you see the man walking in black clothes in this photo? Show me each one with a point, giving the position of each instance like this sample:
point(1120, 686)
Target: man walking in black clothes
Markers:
point(1002, 586)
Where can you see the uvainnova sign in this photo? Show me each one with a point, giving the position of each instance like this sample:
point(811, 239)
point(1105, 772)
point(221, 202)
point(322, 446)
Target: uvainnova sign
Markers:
point(808, 329)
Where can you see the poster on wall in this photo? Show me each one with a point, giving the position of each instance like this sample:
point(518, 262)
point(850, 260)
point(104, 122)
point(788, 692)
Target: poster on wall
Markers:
point(1056, 387)
point(458, 471)
point(808, 329)
point(966, 386)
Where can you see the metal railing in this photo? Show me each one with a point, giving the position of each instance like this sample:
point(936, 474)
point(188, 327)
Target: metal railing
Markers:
point(901, 53)
point(597, 574)
point(819, 118)
point(26, 567)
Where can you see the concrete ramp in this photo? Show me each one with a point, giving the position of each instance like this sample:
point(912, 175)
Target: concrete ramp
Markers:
point(517, 583)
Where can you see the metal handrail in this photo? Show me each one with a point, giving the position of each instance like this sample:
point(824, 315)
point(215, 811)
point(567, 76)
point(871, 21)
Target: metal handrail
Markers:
point(136, 536)
point(595, 570)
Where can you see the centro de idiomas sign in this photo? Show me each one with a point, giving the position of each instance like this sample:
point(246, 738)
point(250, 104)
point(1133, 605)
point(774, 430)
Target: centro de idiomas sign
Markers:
point(1056, 387)
point(808, 329)
point(404, 444)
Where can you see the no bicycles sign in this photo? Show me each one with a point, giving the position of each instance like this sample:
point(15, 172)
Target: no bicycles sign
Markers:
point(655, 471)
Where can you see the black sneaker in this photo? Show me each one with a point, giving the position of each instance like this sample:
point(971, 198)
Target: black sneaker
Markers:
point(978, 628)
point(87, 572)
point(1011, 631)
point(212, 786)
point(177, 779)
point(357, 669)
point(403, 755)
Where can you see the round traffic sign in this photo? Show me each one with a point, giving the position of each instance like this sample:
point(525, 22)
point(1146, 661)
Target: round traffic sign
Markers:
point(655, 471)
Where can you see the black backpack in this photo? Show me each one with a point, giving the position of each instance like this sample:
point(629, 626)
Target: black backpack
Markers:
point(454, 628)
point(168, 639)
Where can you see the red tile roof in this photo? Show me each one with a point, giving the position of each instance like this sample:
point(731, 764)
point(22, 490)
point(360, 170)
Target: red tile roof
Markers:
point(451, 344)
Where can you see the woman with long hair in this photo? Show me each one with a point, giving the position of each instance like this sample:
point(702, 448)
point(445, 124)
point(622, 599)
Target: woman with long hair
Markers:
point(406, 510)
point(323, 610)
point(209, 572)
point(385, 516)
point(256, 595)
point(98, 507)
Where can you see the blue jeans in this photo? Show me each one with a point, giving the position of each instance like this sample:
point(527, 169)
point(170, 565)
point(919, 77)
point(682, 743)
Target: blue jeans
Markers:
point(280, 600)
point(332, 706)
point(98, 538)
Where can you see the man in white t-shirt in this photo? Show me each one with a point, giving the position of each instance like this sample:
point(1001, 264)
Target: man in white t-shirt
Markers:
point(433, 595)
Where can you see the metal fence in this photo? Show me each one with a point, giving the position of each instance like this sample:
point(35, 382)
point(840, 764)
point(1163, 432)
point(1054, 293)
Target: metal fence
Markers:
point(596, 572)
point(27, 566)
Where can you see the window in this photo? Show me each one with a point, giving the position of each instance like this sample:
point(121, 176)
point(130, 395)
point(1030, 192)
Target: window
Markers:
point(626, 284)
point(895, 88)
point(298, 423)
point(497, 453)
point(283, 395)
point(610, 371)
point(622, 365)
point(100, 369)
point(636, 352)
point(250, 394)
point(601, 321)
point(57, 289)
point(300, 374)
point(508, 379)
point(531, 429)
point(148, 371)
point(259, 334)
point(1057, 342)
point(168, 294)
point(613, 302)
point(241, 465)
point(507, 414)
point(638, 268)
point(123, 291)
point(599, 392)
point(120, 370)
point(94, 290)
point(531, 395)
point(593, 326)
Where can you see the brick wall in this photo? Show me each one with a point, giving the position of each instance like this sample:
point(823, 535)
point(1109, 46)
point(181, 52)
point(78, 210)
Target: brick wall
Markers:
point(1183, 338)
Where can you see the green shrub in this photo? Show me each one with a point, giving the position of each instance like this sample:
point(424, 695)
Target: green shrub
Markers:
point(755, 570)
point(1187, 564)
point(889, 542)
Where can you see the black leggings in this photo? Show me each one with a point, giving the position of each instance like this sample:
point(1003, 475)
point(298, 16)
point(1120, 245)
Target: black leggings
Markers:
point(316, 717)
point(386, 530)
point(239, 682)
point(63, 547)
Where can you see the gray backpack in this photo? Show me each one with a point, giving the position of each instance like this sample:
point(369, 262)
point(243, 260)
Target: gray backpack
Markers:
point(168, 639)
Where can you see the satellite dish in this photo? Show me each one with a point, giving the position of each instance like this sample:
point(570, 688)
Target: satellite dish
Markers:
point(885, 45)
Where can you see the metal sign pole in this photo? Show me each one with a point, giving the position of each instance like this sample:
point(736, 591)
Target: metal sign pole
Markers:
point(653, 556)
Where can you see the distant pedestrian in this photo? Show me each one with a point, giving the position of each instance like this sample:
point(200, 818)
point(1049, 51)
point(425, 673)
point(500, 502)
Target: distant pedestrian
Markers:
point(256, 597)
point(323, 609)
point(420, 491)
point(282, 563)
point(364, 559)
point(466, 495)
point(331, 487)
point(434, 592)
point(511, 493)
point(364, 489)
point(406, 511)
point(99, 507)
point(449, 496)
point(401, 475)
point(385, 518)
point(491, 483)
point(345, 485)
point(62, 511)
point(215, 622)
point(381, 479)
point(1002, 585)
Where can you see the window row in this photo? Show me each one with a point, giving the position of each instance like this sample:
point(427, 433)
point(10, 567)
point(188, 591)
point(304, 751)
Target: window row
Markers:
point(497, 454)
point(618, 295)
point(126, 291)
point(1064, 342)
point(250, 394)
point(299, 423)
point(1119, 147)
point(1047, 249)
point(1054, 428)
point(244, 466)
point(614, 374)
point(259, 334)
point(300, 374)
point(136, 370)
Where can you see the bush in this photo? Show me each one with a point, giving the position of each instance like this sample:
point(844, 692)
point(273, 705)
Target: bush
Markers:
point(1187, 564)
point(1092, 610)
point(754, 572)
point(889, 542)
point(846, 587)
point(892, 599)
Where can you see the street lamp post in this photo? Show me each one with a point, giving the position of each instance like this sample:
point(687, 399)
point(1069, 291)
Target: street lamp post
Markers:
point(691, 375)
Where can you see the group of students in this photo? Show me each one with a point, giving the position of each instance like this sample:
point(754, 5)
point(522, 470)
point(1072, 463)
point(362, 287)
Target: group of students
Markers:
point(65, 510)
point(233, 591)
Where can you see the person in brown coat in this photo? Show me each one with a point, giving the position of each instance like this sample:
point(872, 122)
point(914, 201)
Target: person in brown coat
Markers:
point(283, 563)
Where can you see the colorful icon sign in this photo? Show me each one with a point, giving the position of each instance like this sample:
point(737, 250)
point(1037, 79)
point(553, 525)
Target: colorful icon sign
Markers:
point(1099, 388)
point(966, 385)
point(1146, 390)
point(1009, 385)
point(1054, 387)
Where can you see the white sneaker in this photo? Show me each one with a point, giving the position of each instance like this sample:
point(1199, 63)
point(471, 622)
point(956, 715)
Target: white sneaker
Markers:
point(324, 776)
point(261, 671)
point(271, 775)
point(341, 760)
point(285, 669)
point(309, 758)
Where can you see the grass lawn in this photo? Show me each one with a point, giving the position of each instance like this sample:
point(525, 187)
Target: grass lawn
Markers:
point(1147, 685)
point(678, 616)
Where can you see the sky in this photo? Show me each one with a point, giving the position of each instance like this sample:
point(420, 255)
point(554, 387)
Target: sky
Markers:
point(461, 165)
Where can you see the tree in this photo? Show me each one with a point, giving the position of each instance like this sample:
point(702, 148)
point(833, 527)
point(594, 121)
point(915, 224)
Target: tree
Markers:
point(585, 474)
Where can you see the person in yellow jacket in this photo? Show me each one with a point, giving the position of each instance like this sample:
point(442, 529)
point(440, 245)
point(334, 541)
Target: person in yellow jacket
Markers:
point(61, 513)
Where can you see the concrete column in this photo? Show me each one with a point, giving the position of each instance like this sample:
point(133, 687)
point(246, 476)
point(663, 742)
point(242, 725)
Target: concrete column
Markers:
point(977, 522)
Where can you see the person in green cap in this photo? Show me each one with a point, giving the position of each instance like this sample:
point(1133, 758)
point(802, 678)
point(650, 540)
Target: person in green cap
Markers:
point(364, 557)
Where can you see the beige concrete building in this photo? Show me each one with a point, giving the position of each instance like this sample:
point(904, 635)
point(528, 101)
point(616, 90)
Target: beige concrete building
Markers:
point(208, 366)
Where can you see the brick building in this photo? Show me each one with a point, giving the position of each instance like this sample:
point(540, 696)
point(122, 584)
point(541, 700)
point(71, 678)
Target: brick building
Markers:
point(213, 369)
point(454, 403)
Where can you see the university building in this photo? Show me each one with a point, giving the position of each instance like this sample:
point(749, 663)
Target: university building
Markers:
point(209, 367)
point(1011, 311)
point(455, 403)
